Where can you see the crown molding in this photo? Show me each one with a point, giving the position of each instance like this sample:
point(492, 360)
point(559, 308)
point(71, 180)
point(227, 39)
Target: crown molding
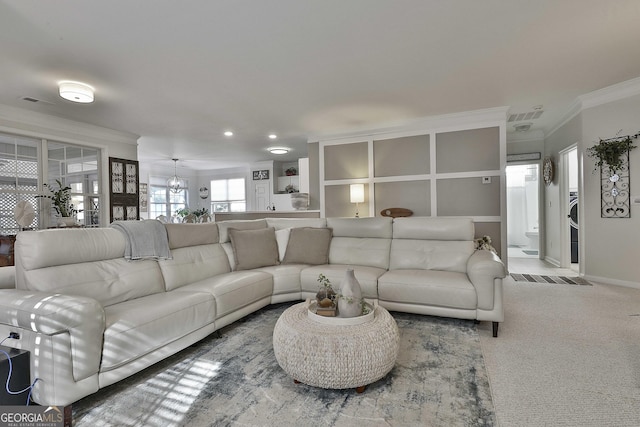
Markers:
point(611, 93)
point(530, 136)
point(40, 125)
point(467, 119)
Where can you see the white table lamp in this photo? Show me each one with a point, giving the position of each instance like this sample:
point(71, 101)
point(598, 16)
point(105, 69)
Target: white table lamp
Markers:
point(357, 195)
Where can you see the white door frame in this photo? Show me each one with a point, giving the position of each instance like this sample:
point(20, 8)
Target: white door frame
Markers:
point(563, 182)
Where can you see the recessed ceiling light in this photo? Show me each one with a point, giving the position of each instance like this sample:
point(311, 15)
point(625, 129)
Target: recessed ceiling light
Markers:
point(272, 136)
point(228, 133)
point(76, 91)
point(278, 150)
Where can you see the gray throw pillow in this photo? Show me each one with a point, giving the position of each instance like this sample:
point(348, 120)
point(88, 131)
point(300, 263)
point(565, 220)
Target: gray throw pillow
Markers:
point(254, 248)
point(308, 245)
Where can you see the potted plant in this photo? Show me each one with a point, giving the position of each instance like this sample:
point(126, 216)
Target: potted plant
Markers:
point(291, 171)
point(200, 212)
point(609, 152)
point(61, 202)
point(183, 212)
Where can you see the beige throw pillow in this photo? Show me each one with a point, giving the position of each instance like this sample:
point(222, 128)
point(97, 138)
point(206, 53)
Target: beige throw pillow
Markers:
point(308, 245)
point(254, 248)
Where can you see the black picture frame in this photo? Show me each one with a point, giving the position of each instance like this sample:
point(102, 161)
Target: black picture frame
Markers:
point(261, 174)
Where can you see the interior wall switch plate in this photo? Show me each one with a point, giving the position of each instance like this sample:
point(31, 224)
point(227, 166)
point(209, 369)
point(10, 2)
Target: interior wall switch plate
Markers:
point(486, 180)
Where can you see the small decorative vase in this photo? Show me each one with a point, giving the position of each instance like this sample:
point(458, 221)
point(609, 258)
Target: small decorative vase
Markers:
point(350, 301)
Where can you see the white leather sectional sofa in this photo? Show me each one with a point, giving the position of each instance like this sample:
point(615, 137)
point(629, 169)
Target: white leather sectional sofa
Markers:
point(91, 318)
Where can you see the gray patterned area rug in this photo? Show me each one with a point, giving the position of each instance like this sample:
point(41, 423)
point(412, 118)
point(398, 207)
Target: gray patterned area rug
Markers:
point(560, 280)
point(439, 380)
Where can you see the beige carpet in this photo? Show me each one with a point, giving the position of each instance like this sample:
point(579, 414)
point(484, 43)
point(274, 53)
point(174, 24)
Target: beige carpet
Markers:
point(565, 356)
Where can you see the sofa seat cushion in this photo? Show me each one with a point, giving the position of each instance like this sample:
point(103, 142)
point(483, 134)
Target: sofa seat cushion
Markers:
point(367, 276)
point(235, 290)
point(286, 277)
point(429, 287)
point(139, 326)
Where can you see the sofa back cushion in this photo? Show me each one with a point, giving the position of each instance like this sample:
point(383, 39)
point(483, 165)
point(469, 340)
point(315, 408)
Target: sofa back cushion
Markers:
point(281, 223)
point(238, 224)
point(85, 262)
point(432, 243)
point(360, 241)
point(183, 235)
point(192, 264)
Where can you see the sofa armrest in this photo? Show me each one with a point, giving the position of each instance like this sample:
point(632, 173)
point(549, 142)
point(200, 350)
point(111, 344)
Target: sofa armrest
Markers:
point(52, 314)
point(483, 267)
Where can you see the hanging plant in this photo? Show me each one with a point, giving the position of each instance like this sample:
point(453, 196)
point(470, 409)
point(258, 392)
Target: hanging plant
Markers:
point(609, 152)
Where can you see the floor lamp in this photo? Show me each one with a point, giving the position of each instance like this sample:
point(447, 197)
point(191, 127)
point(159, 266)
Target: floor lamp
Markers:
point(356, 192)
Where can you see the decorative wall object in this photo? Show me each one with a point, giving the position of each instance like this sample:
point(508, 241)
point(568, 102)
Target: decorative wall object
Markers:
point(124, 197)
point(612, 157)
point(548, 170)
point(261, 174)
point(144, 203)
point(615, 191)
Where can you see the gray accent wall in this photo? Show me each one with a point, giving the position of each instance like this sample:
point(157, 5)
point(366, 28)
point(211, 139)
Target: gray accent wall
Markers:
point(468, 150)
point(401, 156)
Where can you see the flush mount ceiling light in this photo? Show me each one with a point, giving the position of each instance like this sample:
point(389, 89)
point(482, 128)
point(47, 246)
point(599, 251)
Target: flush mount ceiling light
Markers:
point(175, 183)
point(522, 127)
point(76, 91)
point(228, 133)
point(278, 150)
point(273, 136)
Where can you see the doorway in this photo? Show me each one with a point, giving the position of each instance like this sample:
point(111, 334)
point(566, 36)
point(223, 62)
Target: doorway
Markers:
point(569, 194)
point(523, 190)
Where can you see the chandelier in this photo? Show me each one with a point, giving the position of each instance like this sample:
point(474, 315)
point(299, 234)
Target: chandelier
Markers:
point(175, 183)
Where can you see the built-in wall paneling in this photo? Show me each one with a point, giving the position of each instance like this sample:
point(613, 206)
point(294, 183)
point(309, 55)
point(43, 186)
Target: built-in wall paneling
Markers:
point(346, 161)
point(414, 195)
point(468, 197)
point(451, 168)
point(339, 204)
point(401, 156)
point(468, 150)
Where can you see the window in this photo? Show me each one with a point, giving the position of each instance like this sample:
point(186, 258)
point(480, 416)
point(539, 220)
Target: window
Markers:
point(75, 166)
point(18, 179)
point(162, 201)
point(228, 195)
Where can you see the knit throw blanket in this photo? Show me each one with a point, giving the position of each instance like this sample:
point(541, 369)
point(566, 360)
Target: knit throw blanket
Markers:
point(145, 239)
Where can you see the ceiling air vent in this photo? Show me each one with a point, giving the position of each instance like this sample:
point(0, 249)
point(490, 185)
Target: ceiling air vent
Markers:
point(529, 115)
point(35, 100)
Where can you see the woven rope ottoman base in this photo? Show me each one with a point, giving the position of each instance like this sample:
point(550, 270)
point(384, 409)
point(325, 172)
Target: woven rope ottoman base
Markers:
point(335, 356)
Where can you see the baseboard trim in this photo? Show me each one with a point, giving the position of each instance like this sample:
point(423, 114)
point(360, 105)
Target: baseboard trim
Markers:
point(615, 282)
point(553, 261)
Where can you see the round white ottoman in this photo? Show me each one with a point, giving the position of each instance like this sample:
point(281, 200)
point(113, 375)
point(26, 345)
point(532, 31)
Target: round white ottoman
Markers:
point(335, 356)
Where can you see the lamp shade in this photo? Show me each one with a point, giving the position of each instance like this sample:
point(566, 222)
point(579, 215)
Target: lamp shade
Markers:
point(76, 92)
point(357, 193)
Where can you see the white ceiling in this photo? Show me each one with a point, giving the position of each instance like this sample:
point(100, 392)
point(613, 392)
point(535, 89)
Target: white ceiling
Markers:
point(180, 73)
